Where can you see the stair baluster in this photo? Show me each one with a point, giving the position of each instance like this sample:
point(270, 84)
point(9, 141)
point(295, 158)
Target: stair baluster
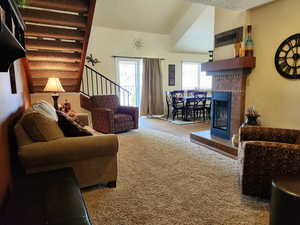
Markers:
point(88, 87)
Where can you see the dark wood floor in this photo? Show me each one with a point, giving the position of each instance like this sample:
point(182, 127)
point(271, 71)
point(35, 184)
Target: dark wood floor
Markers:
point(177, 130)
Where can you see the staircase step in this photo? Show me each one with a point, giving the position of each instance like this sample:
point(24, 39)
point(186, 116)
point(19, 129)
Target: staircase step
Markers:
point(53, 32)
point(53, 56)
point(53, 45)
point(43, 81)
point(80, 6)
point(53, 18)
point(63, 66)
point(54, 73)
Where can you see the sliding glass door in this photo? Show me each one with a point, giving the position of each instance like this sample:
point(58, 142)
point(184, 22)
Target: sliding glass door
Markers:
point(129, 73)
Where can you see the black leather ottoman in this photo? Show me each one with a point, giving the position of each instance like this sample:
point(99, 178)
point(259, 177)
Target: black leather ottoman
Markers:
point(48, 198)
point(285, 201)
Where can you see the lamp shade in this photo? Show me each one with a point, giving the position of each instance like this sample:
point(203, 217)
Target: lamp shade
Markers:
point(54, 85)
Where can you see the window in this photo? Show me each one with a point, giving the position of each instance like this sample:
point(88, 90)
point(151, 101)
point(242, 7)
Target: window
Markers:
point(193, 78)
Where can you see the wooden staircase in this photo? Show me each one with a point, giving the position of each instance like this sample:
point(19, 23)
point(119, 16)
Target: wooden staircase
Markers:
point(56, 40)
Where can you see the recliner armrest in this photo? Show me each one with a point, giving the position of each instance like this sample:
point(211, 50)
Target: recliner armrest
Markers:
point(133, 111)
point(256, 133)
point(103, 119)
point(67, 150)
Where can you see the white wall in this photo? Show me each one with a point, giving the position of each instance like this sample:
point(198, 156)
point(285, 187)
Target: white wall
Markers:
point(106, 42)
point(276, 98)
point(227, 20)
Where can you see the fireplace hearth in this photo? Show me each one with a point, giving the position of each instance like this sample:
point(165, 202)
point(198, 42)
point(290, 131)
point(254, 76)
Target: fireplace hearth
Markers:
point(221, 114)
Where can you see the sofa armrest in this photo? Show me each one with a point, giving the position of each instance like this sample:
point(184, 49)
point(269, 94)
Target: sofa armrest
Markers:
point(133, 111)
point(103, 119)
point(68, 150)
point(255, 133)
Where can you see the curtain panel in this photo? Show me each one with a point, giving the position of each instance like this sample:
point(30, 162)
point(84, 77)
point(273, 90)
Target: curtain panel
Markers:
point(152, 92)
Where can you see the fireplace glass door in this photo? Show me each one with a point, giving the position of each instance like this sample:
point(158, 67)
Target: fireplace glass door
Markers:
point(221, 114)
point(221, 117)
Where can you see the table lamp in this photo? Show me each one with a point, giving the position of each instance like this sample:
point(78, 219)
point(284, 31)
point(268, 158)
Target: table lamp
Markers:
point(54, 86)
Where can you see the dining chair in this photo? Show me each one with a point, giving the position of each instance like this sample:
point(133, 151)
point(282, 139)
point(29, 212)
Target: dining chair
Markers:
point(190, 92)
point(190, 108)
point(178, 103)
point(199, 108)
point(169, 102)
point(208, 104)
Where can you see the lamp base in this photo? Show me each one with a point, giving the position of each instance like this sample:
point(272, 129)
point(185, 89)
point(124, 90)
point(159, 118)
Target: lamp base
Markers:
point(55, 98)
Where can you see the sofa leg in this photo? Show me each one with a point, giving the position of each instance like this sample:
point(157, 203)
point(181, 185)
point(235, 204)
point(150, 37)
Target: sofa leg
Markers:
point(112, 184)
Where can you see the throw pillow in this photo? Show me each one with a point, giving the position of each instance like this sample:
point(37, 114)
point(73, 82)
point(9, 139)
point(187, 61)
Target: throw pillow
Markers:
point(297, 141)
point(46, 109)
point(41, 128)
point(69, 127)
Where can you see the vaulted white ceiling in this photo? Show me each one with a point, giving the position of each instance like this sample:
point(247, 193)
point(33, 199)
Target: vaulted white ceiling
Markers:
point(155, 16)
point(190, 23)
point(233, 4)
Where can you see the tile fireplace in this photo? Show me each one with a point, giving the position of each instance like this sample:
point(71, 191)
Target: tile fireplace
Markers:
point(228, 102)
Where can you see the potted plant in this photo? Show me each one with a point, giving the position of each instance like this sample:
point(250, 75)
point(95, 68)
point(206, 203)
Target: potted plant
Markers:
point(252, 117)
point(21, 3)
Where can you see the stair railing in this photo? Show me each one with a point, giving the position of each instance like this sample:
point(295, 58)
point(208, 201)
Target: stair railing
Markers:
point(94, 83)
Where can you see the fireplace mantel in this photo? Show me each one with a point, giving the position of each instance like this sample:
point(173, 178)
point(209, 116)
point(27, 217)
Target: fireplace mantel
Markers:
point(234, 66)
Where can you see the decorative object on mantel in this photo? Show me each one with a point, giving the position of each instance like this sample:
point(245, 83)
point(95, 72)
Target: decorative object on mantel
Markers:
point(171, 74)
point(249, 42)
point(211, 56)
point(92, 60)
point(54, 86)
point(12, 29)
point(240, 65)
point(237, 49)
point(252, 117)
point(287, 57)
point(229, 37)
point(138, 43)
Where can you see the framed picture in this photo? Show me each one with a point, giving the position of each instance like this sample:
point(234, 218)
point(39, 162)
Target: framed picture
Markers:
point(171, 74)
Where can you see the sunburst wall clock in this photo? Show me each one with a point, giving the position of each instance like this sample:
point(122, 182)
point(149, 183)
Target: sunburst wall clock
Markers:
point(287, 57)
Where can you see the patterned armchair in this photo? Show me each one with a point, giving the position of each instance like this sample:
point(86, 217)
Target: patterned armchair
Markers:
point(265, 153)
point(109, 117)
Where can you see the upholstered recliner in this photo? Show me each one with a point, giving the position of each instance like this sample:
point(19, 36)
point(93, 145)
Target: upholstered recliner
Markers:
point(266, 153)
point(109, 117)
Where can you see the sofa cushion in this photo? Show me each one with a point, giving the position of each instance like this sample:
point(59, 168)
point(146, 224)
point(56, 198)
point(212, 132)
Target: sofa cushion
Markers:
point(120, 117)
point(41, 128)
point(70, 127)
point(46, 109)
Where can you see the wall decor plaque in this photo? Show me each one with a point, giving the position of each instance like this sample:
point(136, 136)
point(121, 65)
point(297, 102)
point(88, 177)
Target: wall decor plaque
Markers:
point(171, 74)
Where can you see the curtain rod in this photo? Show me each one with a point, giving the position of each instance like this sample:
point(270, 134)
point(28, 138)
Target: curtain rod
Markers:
point(130, 57)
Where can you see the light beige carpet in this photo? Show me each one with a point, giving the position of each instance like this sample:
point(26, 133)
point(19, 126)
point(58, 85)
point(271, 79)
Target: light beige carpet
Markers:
point(166, 180)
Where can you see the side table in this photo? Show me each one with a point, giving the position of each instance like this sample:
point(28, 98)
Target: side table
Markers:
point(82, 118)
point(285, 201)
